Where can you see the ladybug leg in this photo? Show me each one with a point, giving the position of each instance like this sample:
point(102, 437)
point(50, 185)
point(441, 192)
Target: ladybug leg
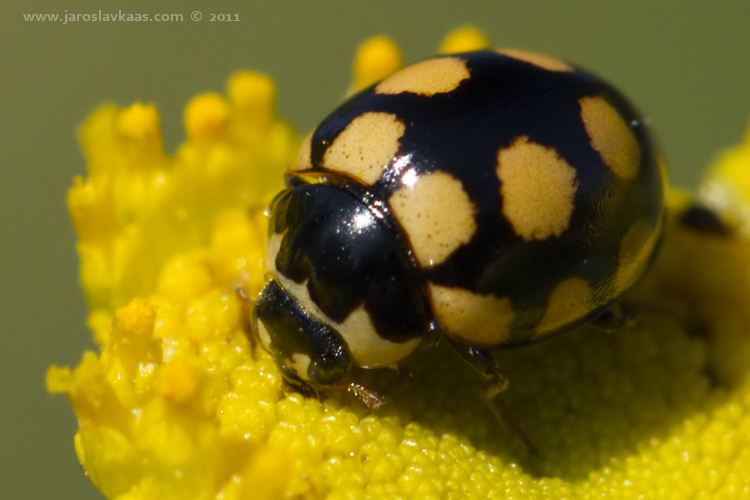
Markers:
point(504, 415)
point(370, 398)
point(617, 316)
point(495, 383)
point(483, 361)
point(295, 385)
point(246, 312)
point(242, 294)
point(404, 372)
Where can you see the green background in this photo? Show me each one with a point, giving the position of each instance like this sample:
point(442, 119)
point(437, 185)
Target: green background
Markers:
point(685, 64)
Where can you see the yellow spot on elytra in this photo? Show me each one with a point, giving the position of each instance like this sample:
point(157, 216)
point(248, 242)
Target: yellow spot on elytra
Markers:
point(569, 301)
point(464, 39)
point(481, 320)
point(611, 137)
point(538, 189)
point(365, 147)
point(636, 248)
point(434, 76)
point(542, 60)
point(303, 161)
point(436, 214)
point(377, 58)
point(206, 117)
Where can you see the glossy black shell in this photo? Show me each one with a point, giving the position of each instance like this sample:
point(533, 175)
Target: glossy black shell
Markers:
point(344, 265)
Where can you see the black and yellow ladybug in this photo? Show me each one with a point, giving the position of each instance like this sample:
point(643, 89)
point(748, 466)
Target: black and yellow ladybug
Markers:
point(492, 198)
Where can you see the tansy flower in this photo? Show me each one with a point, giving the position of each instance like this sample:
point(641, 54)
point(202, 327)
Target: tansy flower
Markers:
point(178, 404)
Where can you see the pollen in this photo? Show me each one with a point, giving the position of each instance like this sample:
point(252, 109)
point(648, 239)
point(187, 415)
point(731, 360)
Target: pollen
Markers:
point(178, 382)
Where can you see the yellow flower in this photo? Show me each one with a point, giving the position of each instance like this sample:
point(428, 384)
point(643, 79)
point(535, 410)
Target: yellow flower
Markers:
point(178, 404)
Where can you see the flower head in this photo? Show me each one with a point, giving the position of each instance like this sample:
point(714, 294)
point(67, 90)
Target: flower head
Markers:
point(179, 404)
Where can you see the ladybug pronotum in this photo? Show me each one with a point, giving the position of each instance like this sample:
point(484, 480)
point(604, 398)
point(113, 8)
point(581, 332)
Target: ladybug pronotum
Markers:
point(491, 198)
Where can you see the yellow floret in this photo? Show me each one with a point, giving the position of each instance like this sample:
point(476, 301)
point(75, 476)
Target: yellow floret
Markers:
point(206, 117)
point(464, 39)
point(377, 58)
point(180, 404)
point(178, 382)
point(140, 131)
point(727, 184)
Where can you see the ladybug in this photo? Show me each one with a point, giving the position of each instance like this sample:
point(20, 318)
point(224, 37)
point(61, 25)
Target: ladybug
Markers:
point(490, 198)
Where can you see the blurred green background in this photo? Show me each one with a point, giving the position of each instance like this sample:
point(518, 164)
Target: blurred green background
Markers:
point(685, 64)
